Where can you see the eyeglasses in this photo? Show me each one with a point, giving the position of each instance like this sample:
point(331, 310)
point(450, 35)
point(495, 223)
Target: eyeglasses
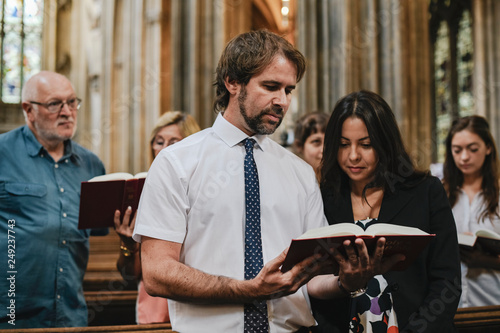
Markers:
point(56, 106)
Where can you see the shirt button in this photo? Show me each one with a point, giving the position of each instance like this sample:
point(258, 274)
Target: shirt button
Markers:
point(58, 296)
point(66, 160)
point(64, 242)
point(61, 189)
point(56, 165)
point(41, 155)
point(64, 214)
point(60, 269)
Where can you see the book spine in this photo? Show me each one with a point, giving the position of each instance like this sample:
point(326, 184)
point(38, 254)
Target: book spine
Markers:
point(130, 196)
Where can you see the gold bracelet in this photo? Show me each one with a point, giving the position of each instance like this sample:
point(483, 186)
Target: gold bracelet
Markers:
point(351, 294)
point(126, 252)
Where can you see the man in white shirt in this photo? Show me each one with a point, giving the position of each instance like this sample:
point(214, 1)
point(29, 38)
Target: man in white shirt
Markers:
point(191, 218)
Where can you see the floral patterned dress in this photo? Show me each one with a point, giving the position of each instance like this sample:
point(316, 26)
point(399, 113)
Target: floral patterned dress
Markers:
point(373, 311)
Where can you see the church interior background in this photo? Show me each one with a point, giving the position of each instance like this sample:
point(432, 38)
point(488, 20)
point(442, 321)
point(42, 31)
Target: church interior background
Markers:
point(132, 60)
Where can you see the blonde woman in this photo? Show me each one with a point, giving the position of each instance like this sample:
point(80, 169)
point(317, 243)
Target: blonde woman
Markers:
point(171, 127)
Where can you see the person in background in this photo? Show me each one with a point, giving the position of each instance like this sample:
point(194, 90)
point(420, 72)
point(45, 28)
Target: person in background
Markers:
point(171, 127)
point(472, 183)
point(41, 171)
point(368, 177)
point(308, 138)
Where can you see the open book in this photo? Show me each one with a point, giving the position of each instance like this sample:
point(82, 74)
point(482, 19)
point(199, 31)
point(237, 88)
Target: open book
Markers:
point(399, 239)
point(101, 196)
point(487, 240)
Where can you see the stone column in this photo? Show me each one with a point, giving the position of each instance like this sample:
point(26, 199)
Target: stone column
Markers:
point(379, 45)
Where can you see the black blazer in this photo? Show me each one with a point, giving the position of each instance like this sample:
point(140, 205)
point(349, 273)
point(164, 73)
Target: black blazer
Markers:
point(426, 294)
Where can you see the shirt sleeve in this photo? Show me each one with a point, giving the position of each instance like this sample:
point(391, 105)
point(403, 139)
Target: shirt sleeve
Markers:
point(163, 207)
point(316, 215)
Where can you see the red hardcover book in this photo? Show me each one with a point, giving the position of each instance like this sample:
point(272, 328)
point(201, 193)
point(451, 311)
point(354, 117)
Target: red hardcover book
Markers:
point(101, 196)
point(399, 239)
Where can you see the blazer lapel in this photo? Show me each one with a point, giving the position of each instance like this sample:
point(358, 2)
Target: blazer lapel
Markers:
point(341, 210)
point(392, 203)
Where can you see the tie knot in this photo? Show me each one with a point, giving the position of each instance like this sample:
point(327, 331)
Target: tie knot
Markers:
point(249, 143)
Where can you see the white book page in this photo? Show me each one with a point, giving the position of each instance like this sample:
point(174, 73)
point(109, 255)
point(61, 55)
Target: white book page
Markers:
point(466, 239)
point(141, 174)
point(487, 234)
point(393, 229)
point(340, 229)
point(112, 176)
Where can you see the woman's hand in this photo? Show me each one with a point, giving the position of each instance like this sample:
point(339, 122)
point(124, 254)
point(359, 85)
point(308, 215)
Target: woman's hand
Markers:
point(125, 228)
point(357, 266)
point(477, 258)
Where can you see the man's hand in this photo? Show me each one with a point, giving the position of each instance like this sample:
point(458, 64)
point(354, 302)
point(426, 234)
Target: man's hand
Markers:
point(272, 283)
point(165, 276)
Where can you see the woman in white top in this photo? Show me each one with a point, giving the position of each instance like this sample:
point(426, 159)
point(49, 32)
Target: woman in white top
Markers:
point(471, 180)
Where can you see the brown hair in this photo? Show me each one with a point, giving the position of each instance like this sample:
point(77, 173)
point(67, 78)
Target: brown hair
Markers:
point(307, 125)
point(453, 178)
point(249, 54)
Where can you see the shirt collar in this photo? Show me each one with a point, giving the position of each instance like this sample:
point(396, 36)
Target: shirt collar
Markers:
point(232, 135)
point(34, 147)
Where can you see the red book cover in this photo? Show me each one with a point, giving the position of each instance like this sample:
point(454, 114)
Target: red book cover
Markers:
point(102, 196)
point(409, 241)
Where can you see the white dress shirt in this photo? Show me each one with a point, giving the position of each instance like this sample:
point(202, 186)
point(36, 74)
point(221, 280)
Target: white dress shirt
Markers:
point(480, 286)
point(195, 195)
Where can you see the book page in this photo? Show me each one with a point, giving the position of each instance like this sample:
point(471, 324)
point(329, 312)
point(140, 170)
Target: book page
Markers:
point(141, 174)
point(112, 176)
point(487, 234)
point(340, 229)
point(466, 239)
point(393, 229)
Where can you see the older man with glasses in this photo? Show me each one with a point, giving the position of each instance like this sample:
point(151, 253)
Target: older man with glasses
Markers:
point(43, 254)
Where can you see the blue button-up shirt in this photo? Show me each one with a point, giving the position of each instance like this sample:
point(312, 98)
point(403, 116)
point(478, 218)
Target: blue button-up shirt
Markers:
point(43, 255)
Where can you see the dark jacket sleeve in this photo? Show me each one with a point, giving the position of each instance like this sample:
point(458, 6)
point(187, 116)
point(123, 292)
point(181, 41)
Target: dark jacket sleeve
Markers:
point(441, 270)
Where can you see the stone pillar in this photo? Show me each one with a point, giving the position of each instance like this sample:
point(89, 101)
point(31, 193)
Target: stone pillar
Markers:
point(486, 24)
point(378, 45)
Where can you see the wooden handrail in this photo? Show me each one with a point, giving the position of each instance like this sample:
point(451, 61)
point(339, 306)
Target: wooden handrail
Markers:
point(99, 329)
point(467, 320)
point(478, 318)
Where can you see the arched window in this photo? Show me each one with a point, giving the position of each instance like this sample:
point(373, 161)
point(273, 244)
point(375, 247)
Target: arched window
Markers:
point(20, 45)
point(451, 35)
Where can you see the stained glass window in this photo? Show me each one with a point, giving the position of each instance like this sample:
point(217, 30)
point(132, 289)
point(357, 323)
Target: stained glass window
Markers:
point(442, 88)
point(21, 45)
point(451, 33)
point(465, 65)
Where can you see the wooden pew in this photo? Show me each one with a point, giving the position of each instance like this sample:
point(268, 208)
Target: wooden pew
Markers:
point(101, 271)
point(111, 307)
point(110, 299)
point(479, 319)
point(99, 329)
point(470, 320)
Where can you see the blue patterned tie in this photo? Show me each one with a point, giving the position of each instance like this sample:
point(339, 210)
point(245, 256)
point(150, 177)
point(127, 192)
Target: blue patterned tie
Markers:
point(256, 312)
